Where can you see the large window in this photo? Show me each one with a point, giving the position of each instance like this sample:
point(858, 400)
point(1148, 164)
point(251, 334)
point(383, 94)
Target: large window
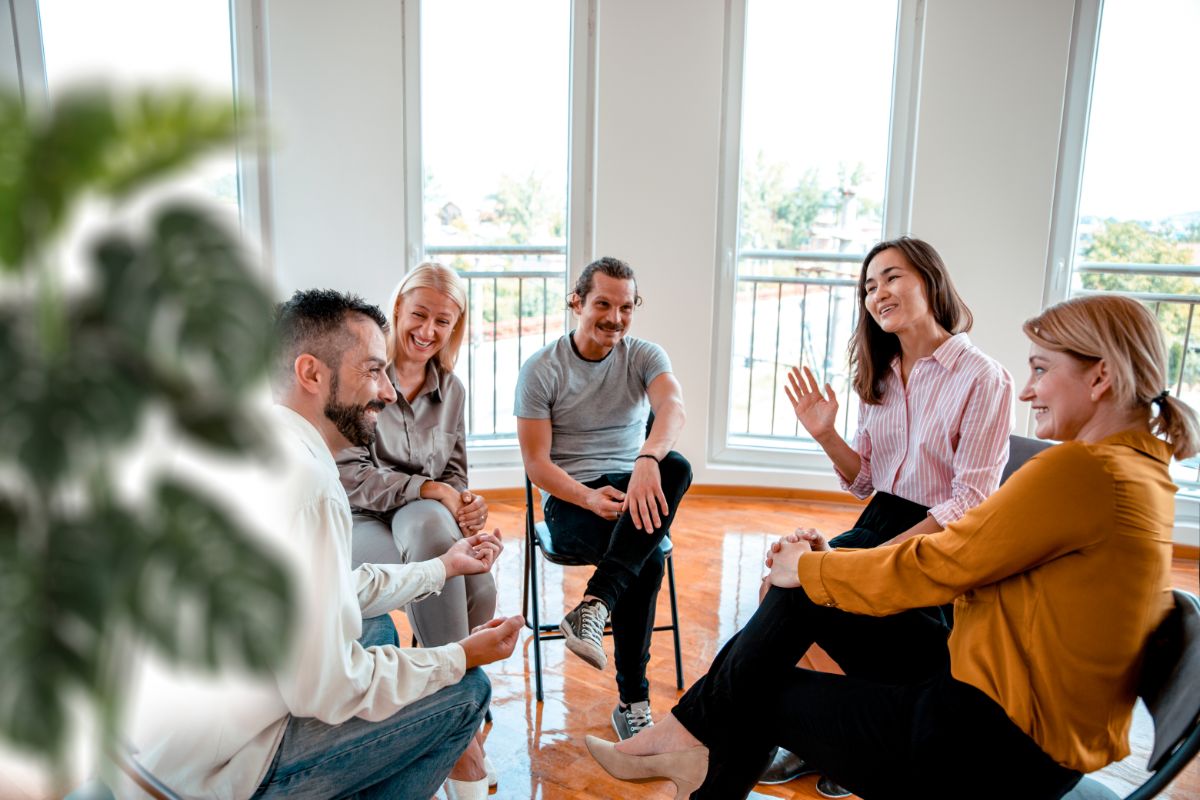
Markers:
point(136, 44)
point(815, 102)
point(1138, 223)
point(495, 132)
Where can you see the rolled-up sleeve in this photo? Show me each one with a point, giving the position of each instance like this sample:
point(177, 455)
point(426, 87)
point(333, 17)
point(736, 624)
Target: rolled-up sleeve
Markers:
point(982, 446)
point(329, 675)
point(863, 485)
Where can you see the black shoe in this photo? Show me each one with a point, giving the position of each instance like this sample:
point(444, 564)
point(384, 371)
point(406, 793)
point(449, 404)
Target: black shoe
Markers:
point(785, 766)
point(827, 788)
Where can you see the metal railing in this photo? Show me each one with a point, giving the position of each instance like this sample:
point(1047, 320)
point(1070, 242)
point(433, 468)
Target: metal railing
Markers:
point(781, 321)
point(516, 302)
point(1176, 311)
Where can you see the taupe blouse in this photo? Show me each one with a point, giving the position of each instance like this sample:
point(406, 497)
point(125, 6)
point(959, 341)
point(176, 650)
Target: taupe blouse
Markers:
point(415, 442)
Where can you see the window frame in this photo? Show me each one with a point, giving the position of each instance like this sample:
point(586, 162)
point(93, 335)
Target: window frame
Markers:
point(581, 104)
point(247, 44)
point(897, 215)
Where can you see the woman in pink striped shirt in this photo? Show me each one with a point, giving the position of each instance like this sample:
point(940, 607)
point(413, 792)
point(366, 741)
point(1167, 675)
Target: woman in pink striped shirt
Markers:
point(935, 410)
point(933, 422)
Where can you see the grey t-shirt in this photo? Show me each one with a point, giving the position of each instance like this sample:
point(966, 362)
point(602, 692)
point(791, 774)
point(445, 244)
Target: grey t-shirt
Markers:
point(597, 409)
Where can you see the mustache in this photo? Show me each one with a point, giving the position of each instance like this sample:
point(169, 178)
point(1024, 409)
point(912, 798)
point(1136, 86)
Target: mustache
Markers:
point(614, 328)
point(376, 405)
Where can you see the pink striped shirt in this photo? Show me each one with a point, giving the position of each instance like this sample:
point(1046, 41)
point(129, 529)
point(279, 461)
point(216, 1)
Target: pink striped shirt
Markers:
point(942, 441)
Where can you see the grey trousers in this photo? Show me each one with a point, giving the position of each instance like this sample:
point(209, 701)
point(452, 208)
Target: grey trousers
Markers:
point(420, 531)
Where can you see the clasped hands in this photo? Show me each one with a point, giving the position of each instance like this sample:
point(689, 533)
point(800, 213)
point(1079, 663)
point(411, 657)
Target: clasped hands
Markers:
point(469, 510)
point(644, 499)
point(783, 559)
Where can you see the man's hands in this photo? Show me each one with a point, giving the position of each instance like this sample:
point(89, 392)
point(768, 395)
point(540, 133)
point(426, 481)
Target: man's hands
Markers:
point(606, 502)
point(492, 641)
point(472, 555)
point(784, 556)
point(645, 497)
point(817, 412)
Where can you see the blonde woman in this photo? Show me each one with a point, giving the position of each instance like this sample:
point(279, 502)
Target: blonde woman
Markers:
point(409, 489)
point(1058, 580)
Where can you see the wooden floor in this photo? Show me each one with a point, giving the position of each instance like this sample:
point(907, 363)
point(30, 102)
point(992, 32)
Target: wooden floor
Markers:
point(538, 749)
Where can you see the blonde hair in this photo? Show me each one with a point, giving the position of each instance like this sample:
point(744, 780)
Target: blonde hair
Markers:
point(431, 275)
point(1126, 336)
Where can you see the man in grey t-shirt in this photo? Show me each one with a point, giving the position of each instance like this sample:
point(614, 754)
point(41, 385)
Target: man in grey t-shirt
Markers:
point(612, 488)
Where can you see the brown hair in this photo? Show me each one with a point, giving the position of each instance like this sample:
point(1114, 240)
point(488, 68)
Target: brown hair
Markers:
point(441, 278)
point(1126, 336)
point(606, 265)
point(871, 348)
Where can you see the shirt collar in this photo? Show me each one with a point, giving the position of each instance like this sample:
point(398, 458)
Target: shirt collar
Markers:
point(306, 433)
point(435, 381)
point(1142, 441)
point(946, 354)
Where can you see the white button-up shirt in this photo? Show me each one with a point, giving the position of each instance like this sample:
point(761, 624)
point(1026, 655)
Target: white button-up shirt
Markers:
point(217, 737)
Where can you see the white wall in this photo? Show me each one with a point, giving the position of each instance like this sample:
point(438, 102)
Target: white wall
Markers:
point(991, 94)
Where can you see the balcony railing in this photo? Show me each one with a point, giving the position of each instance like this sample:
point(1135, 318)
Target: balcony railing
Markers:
point(781, 321)
point(1179, 319)
point(516, 297)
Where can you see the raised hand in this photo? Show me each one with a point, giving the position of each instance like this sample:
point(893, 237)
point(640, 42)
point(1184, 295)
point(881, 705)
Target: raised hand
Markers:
point(606, 502)
point(817, 412)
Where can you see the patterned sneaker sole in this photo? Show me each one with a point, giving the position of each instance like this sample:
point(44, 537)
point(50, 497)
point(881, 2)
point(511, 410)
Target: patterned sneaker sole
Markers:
point(579, 647)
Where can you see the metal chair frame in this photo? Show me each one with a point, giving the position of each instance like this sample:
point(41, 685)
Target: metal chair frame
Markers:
point(537, 537)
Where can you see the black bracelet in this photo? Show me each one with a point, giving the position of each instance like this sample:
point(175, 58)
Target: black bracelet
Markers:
point(649, 455)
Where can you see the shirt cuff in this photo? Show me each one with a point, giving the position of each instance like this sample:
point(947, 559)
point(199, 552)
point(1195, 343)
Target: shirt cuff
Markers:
point(433, 577)
point(947, 512)
point(808, 569)
point(412, 492)
point(456, 661)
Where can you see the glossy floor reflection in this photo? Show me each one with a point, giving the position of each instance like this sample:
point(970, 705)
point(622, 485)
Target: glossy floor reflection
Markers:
point(720, 542)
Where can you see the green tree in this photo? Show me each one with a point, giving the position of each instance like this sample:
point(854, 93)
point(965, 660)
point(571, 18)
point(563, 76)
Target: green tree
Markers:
point(776, 214)
point(527, 209)
point(1129, 242)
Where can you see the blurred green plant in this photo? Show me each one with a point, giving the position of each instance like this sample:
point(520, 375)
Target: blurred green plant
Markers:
point(170, 320)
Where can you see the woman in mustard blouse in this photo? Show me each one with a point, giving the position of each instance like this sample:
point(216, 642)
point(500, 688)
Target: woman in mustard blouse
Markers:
point(1058, 579)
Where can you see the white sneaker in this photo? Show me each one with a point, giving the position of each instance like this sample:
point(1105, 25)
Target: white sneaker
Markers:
point(466, 790)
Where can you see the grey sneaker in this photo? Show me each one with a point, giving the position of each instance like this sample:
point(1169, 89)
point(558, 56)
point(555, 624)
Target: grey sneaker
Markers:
point(628, 720)
point(785, 766)
point(583, 629)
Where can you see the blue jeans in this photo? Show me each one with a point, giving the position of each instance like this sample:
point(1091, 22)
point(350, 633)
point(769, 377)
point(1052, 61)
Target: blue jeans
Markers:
point(407, 755)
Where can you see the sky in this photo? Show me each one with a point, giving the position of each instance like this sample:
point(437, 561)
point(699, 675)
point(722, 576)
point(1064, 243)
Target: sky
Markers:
point(817, 87)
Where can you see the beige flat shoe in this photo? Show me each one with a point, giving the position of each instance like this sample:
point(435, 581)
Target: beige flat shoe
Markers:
point(685, 768)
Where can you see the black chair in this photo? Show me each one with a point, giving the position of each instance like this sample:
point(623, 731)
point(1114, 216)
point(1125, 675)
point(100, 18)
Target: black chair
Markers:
point(537, 537)
point(1020, 450)
point(1170, 687)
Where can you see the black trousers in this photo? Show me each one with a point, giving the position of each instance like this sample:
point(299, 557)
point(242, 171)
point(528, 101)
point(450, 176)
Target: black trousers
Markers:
point(629, 567)
point(896, 725)
point(886, 517)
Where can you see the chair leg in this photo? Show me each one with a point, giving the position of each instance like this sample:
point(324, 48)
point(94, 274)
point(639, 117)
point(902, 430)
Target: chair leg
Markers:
point(537, 627)
point(675, 622)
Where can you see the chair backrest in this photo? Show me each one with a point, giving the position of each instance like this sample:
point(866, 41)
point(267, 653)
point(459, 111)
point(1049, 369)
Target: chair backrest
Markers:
point(1020, 450)
point(1170, 684)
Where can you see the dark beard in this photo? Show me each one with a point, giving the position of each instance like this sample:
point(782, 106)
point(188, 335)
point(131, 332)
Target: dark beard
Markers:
point(351, 420)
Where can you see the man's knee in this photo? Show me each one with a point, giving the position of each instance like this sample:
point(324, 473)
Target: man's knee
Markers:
point(676, 472)
point(477, 687)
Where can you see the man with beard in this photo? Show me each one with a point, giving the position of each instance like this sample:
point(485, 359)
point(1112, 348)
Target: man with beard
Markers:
point(349, 711)
point(610, 488)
